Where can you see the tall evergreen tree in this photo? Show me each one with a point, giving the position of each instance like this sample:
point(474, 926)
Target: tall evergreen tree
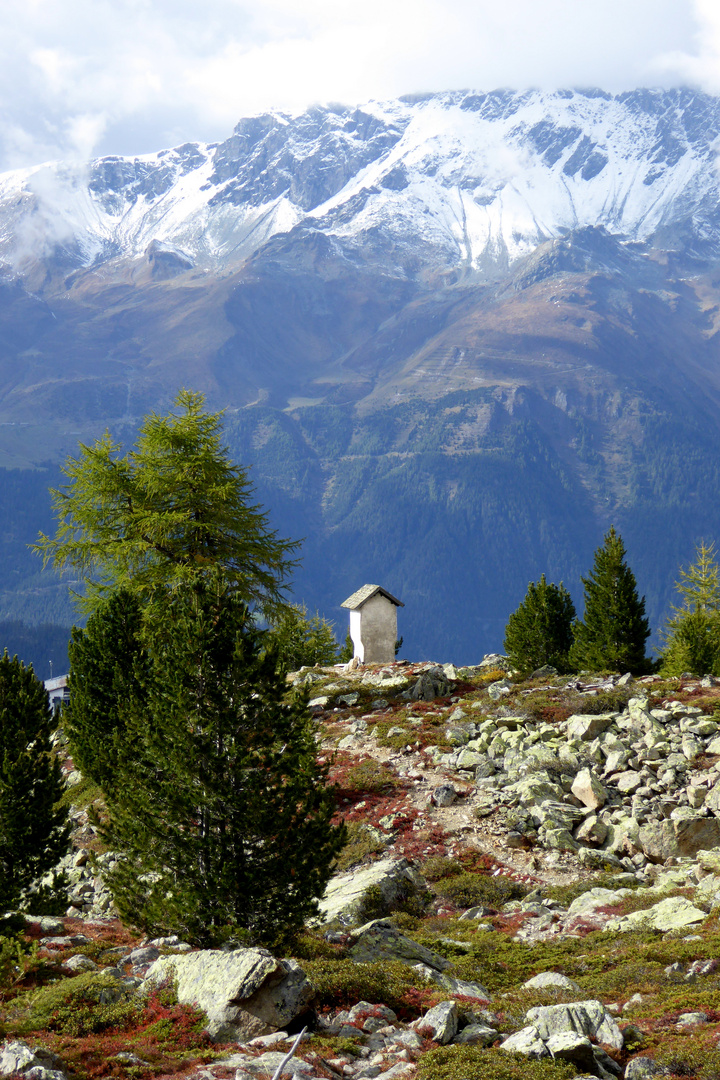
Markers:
point(539, 631)
point(171, 512)
point(614, 630)
point(104, 658)
point(34, 833)
point(692, 634)
point(220, 812)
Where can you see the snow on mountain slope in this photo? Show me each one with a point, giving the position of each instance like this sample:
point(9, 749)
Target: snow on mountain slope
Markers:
point(468, 182)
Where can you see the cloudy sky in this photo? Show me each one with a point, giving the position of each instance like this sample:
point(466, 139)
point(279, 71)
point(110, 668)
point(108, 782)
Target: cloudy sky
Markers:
point(87, 77)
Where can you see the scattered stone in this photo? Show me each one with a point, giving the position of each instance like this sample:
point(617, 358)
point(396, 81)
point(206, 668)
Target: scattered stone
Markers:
point(445, 795)
point(439, 1024)
point(670, 914)
point(551, 980)
point(587, 788)
point(381, 940)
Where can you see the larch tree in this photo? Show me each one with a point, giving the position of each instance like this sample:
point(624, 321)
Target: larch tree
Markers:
point(691, 636)
point(214, 796)
point(172, 511)
point(614, 630)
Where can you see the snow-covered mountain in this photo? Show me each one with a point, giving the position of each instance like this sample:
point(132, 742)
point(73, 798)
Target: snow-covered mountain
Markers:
point(457, 337)
point(463, 182)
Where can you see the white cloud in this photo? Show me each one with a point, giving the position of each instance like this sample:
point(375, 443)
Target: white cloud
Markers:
point(127, 76)
point(701, 66)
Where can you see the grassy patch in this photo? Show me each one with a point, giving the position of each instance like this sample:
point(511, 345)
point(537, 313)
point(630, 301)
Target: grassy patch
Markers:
point(361, 843)
point(81, 795)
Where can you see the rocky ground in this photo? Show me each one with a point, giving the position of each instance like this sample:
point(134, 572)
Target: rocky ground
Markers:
point(531, 885)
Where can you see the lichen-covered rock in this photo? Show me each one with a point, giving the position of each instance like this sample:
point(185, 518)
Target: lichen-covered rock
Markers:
point(551, 980)
point(344, 897)
point(670, 914)
point(440, 1023)
point(595, 898)
point(662, 840)
point(589, 1018)
point(243, 993)
point(571, 1046)
point(17, 1059)
point(380, 940)
point(526, 1041)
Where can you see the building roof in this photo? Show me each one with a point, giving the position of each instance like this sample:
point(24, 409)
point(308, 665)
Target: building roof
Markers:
point(58, 683)
point(365, 593)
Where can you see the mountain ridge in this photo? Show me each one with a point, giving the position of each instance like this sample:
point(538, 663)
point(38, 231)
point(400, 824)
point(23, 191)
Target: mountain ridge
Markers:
point(438, 328)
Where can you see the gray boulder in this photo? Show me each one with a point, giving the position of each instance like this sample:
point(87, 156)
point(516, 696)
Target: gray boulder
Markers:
point(380, 940)
point(571, 1046)
point(396, 879)
point(526, 1041)
point(662, 840)
point(589, 1018)
point(243, 993)
point(440, 1023)
point(17, 1059)
point(431, 684)
point(476, 1035)
point(588, 789)
point(641, 1068)
point(587, 728)
point(551, 980)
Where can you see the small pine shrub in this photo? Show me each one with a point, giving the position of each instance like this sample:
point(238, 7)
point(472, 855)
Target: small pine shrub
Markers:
point(80, 1005)
point(464, 1062)
point(340, 984)
point(16, 958)
point(688, 1059)
point(469, 890)
point(439, 866)
point(368, 777)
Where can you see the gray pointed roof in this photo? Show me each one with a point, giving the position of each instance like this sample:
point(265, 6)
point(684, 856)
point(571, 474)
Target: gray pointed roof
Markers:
point(365, 593)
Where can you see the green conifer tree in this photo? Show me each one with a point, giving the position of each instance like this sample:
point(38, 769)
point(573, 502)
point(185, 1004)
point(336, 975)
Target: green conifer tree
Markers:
point(614, 630)
point(221, 812)
point(103, 661)
point(34, 833)
point(540, 630)
point(301, 639)
point(692, 634)
point(170, 512)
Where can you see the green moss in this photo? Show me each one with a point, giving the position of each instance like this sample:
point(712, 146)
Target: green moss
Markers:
point(470, 1062)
